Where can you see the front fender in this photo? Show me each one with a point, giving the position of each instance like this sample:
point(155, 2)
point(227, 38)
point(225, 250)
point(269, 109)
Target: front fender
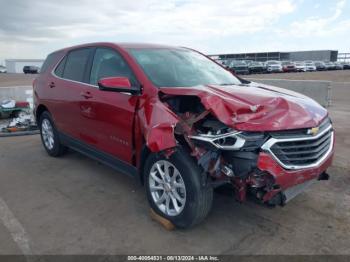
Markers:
point(157, 124)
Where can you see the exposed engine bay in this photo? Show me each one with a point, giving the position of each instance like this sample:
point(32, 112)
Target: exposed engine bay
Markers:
point(227, 156)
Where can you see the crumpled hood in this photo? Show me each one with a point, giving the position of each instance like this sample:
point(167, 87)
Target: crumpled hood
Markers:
point(256, 107)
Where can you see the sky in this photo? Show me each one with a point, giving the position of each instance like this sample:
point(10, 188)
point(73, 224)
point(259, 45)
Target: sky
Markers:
point(34, 28)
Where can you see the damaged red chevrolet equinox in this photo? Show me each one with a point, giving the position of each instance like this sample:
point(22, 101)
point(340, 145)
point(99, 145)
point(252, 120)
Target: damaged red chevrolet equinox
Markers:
point(182, 125)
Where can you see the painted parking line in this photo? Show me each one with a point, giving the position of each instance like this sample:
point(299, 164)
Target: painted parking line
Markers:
point(19, 235)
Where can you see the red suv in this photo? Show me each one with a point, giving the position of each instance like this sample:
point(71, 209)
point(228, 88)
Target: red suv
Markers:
point(181, 124)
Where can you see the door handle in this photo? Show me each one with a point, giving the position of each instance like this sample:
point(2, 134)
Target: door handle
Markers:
point(52, 85)
point(87, 95)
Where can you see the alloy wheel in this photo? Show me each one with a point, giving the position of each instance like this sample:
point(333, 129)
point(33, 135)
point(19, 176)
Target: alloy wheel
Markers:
point(167, 188)
point(47, 134)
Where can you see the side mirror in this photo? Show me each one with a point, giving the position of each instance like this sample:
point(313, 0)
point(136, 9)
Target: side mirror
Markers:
point(117, 84)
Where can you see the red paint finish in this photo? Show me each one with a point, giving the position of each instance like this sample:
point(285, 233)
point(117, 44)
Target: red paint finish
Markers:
point(157, 125)
point(122, 124)
point(117, 82)
point(288, 178)
point(256, 107)
point(106, 121)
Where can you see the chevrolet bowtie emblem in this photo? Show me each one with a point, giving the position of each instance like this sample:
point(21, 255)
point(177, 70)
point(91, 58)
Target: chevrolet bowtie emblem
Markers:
point(313, 131)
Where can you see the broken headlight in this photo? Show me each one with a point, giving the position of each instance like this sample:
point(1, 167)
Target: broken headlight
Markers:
point(227, 141)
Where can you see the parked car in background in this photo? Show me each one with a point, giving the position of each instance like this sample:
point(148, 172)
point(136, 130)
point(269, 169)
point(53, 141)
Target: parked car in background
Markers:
point(224, 63)
point(256, 67)
point(330, 65)
point(300, 66)
point(273, 66)
point(310, 66)
point(181, 130)
point(221, 62)
point(288, 66)
point(346, 65)
point(320, 66)
point(3, 69)
point(30, 69)
point(239, 67)
point(339, 66)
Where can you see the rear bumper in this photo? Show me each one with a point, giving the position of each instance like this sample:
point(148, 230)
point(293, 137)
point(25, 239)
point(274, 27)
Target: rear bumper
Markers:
point(289, 69)
point(276, 70)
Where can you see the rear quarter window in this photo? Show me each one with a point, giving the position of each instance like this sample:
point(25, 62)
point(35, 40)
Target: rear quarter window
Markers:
point(50, 60)
point(59, 69)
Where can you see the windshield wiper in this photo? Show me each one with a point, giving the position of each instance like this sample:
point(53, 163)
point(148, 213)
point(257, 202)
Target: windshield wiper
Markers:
point(227, 84)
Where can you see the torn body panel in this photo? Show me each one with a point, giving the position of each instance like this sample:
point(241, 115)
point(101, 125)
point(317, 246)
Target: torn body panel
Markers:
point(224, 129)
point(157, 123)
point(256, 107)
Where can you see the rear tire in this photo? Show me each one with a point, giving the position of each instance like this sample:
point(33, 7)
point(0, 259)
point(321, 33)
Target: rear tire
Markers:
point(50, 136)
point(182, 186)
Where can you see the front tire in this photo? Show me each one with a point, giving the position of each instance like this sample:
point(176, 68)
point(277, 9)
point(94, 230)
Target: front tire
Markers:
point(49, 136)
point(176, 189)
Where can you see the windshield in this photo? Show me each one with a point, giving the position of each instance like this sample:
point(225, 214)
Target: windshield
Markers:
point(181, 68)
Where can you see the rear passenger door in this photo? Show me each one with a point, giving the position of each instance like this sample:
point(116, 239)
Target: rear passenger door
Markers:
point(67, 89)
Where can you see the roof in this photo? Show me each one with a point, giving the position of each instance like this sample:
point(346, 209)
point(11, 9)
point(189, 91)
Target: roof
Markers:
point(123, 45)
point(143, 45)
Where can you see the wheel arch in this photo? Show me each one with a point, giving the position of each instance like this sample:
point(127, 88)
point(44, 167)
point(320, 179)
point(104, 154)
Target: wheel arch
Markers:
point(39, 110)
point(145, 152)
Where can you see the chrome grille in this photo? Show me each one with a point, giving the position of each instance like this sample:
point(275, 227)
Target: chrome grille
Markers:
point(303, 151)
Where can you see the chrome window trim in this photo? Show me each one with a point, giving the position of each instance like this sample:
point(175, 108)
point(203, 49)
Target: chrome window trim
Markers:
point(269, 143)
point(78, 82)
point(66, 79)
point(211, 138)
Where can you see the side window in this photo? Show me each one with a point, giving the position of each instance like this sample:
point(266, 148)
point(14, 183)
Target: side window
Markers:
point(59, 69)
point(108, 63)
point(49, 61)
point(75, 65)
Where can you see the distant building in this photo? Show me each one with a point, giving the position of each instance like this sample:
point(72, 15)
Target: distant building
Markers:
point(320, 55)
point(16, 65)
point(317, 55)
point(344, 57)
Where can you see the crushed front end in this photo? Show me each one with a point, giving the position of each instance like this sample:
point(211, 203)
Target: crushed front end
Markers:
point(274, 166)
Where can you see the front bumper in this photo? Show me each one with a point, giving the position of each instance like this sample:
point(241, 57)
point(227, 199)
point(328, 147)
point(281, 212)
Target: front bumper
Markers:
point(288, 178)
point(285, 181)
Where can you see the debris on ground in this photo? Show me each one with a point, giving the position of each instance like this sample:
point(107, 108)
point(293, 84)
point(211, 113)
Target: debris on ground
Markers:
point(23, 122)
point(10, 108)
point(16, 117)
